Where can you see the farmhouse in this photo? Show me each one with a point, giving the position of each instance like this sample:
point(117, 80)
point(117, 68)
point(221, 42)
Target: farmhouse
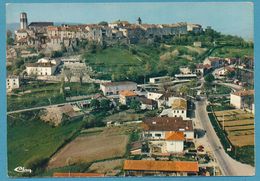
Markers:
point(156, 127)
point(113, 88)
point(43, 66)
point(12, 82)
point(126, 96)
point(167, 136)
point(242, 99)
point(160, 168)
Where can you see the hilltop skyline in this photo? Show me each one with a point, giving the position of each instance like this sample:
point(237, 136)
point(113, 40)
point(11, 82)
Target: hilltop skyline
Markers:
point(225, 22)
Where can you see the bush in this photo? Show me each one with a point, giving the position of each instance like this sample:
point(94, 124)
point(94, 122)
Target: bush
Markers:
point(36, 164)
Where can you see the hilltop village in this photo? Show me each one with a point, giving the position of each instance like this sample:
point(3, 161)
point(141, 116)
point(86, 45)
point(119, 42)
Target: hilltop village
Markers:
point(128, 99)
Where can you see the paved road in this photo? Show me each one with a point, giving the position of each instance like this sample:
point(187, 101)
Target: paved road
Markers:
point(228, 166)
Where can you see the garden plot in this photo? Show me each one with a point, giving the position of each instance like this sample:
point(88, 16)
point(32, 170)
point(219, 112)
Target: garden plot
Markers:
point(238, 125)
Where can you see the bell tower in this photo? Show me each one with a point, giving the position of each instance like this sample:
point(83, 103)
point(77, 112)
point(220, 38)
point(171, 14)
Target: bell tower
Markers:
point(23, 21)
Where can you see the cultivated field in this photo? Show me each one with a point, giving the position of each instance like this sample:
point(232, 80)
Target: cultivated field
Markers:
point(110, 143)
point(239, 126)
point(106, 166)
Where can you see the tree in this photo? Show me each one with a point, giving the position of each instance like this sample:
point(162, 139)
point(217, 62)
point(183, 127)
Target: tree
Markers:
point(184, 90)
point(135, 104)
point(56, 54)
point(62, 84)
point(37, 164)
point(95, 104)
point(209, 78)
point(231, 74)
point(67, 73)
point(103, 23)
point(81, 75)
point(192, 67)
point(105, 104)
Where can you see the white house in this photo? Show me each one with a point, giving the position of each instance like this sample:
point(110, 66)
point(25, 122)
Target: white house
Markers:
point(12, 82)
point(179, 108)
point(242, 99)
point(167, 135)
point(113, 88)
point(42, 67)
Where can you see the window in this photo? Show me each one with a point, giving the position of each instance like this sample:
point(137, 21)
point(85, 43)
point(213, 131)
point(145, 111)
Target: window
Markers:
point(148, 135)
point(158, 135)
point(177, 111)
point(182, 111)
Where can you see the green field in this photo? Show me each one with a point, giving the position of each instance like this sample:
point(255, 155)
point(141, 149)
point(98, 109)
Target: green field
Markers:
point(42, 94)
point(28, 137)
point(232, 52)
point(111, 58)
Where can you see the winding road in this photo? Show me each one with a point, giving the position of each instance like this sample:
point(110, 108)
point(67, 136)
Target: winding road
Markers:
point(228, 166)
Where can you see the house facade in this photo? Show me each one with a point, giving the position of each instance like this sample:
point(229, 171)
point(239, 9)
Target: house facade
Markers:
point(242, 99)
point(12, 82)
point(43, 67)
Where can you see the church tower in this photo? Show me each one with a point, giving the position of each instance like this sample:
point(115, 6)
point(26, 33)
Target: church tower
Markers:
point(23, 21)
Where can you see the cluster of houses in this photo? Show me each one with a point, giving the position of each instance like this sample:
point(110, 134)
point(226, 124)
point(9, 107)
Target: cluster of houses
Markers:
point(173, 116)
point(46, 35)
point(164, 135)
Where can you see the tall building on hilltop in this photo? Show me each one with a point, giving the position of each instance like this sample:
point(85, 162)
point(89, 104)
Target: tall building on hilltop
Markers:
point(23, 21)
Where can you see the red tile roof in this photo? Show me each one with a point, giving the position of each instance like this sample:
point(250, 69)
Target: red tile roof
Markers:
point(117, 83)
point(167, 166)
point(58, 174)
point(244, 93)
point(167, 124)
point(127, 93)
point(174, 136)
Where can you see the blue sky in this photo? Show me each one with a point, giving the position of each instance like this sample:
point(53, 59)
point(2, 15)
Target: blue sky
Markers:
point(229, 18)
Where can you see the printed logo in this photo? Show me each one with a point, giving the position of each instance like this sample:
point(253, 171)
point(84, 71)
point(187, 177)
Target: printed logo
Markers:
point(22, 170)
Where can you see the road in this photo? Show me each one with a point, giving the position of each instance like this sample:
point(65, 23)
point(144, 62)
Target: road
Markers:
point(228, 166)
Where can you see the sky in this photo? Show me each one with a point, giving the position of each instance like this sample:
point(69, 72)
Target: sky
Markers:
point(235, 18)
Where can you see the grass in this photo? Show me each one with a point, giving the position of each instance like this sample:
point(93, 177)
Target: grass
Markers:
point(111, 58)
point(232, 52)
point(246, 154)
point(29, 137)
point(43, 94)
